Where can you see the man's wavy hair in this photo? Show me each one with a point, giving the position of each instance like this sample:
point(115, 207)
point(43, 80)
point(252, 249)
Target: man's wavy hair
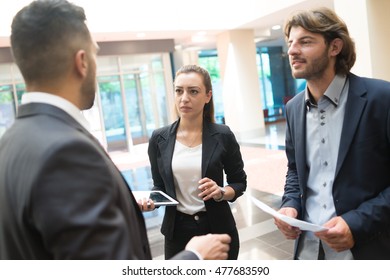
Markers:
point(325, 22)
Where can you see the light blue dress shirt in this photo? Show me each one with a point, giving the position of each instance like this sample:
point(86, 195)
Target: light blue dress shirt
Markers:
point(324, 122)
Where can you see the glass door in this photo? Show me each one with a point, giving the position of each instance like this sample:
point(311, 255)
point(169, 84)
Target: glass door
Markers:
point(7, 108)
point(132, 98)
point(139, 106)
point(113, 112)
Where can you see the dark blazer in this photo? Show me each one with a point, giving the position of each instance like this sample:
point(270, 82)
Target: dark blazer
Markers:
point(361, 190)
point(220, 151)
point(61, 197)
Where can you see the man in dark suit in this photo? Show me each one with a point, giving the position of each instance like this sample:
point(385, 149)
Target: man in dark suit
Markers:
point(337, 145)
point(61, 197)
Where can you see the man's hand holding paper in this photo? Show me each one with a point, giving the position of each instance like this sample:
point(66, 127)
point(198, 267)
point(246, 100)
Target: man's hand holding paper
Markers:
point(286, 220)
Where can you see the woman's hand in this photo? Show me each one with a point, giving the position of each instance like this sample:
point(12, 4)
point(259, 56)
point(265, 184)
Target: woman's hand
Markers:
point(209, 189)
point(146, 204)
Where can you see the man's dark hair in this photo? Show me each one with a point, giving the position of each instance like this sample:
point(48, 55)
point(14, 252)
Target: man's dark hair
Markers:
point(44, 37)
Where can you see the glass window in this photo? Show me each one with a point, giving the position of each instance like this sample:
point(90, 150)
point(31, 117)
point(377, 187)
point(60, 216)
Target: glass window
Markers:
point(135, 63)
point(107, 65)
point(112, 108)
point(20, 90)
point(161, 92)
point(263, 66)
point(211, 63)
point(7, 108)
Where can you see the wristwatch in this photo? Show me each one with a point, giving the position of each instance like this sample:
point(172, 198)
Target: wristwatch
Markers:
point(223, 191)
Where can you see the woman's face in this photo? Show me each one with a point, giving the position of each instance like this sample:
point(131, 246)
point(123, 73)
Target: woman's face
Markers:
point(190, 95)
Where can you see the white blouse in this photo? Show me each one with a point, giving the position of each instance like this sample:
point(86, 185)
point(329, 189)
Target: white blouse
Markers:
point(187, 171)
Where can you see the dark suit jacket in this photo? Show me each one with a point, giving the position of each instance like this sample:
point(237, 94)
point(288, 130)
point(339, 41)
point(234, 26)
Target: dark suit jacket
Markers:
point(361, 190)
point(61, 197)
point(220, 151)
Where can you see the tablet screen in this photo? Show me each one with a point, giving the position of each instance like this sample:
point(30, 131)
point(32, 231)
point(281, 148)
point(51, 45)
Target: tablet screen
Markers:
point(159, 198)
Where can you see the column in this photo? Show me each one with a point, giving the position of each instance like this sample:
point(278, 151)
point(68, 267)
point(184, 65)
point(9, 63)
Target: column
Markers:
point(241, 91)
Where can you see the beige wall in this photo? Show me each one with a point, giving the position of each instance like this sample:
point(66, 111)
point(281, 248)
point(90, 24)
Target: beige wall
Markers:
point(369, 24)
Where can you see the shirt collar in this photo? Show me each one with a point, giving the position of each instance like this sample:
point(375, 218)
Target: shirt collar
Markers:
point(57, 101)
point(333, 92)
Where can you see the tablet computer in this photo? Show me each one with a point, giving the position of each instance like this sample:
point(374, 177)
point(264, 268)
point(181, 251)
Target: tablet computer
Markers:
point(159, 198)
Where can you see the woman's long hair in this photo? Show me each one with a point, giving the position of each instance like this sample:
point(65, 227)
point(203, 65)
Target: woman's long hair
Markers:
point(208, 109)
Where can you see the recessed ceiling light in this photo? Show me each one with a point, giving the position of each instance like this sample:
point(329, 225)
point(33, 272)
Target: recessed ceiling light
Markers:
point(276, 27)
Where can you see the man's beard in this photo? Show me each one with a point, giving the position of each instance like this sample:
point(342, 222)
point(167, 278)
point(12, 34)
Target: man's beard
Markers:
point(315, 69)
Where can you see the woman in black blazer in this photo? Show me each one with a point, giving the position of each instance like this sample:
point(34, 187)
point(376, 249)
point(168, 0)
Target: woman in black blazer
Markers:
point(187, 160)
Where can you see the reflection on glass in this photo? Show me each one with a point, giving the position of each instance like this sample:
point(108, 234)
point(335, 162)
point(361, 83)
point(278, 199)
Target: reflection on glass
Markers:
point(211, 63)
point(133, 96)
point(139, 103)
point(148, 103)
point(161, 95)
point(7, 108)
point(131, 86)
point(111, 101)
point(20, 90)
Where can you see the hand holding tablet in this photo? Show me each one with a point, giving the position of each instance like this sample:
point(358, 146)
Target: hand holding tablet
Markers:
point(159, 198)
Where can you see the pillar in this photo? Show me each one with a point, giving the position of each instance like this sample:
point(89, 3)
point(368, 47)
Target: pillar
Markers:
point(240, 84)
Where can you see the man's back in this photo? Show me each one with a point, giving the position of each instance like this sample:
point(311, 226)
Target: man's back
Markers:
point(61, 196)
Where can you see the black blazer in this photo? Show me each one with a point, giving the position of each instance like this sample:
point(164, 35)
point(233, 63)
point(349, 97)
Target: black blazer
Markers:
point(61, 197)
point(220, 151)
point(361, 189)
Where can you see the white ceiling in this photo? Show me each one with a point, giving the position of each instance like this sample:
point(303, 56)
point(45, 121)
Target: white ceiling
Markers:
point(189, 23)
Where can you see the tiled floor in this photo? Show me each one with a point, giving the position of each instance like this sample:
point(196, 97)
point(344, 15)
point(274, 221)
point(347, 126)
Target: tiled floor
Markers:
point(260, 240)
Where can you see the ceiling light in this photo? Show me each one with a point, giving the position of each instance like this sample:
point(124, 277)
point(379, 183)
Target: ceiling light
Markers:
point(276, 27)
point(198, 39)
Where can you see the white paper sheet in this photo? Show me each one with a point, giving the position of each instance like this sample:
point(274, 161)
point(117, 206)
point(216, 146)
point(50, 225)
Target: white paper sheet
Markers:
point(302, 225)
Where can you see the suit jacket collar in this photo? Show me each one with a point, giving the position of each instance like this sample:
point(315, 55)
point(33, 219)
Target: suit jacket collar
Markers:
point(31, 109)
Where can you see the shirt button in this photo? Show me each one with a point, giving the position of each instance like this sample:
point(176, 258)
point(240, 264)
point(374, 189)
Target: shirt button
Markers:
point(326, 163)
point(324, 184)
point(322, 123)
point(322, 140)
point(196, 218)
point(324, 206)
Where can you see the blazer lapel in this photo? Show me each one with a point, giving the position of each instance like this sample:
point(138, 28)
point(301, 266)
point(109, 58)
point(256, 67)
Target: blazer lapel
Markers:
point(166, 147)
point(209, 144)
point(353, 112)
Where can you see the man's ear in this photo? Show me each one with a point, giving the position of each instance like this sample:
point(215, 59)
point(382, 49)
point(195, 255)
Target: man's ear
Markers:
point(81, 63)
point(336, 46)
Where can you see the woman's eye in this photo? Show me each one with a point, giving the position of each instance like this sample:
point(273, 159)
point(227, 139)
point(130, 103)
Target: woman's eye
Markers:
point(193, 92)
